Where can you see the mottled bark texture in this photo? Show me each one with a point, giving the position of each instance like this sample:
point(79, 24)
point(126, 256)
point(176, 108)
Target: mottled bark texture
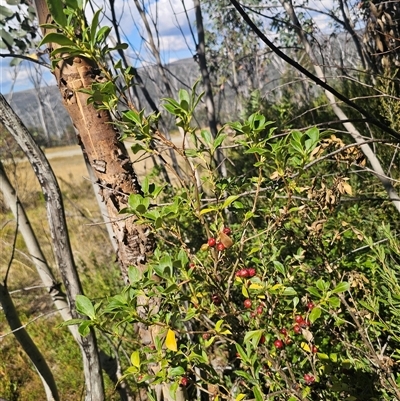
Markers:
point(106, 154)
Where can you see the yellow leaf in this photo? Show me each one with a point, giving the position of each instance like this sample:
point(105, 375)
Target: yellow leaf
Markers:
point(305, 347)
point(256, 286)
point(240, 397)
point(33, 56)
point(347, 188)
point(276, 286)
point(170, 341)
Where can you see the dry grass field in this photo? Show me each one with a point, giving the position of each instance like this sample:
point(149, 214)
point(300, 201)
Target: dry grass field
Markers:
point(94, 259)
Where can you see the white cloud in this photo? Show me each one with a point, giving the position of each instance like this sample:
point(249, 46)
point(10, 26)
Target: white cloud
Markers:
point(166, 13)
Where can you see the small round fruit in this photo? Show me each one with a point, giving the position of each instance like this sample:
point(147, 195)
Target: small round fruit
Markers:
point(260, 309)
point(251, 272)
point(211, 242)
point(314, 349)
point(206, 336)
point(297, 329)
point(283, 331)
point(247, 303)
point(184, 381)
point(220, 246)
point(227, 231)
point(216, 299)
point(288, 341)
point(298, 319)
point(310, 305)
point(242, 273)
point(310, 379)
point(305, 323)
point(262, 339)
point(278, 344)
point(192, 265)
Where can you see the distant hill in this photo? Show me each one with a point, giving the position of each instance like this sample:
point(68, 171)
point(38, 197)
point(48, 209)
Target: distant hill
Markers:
point(45, 106)
point(338, 50)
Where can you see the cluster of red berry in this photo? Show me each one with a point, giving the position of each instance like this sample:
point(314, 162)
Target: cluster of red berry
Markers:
point(223, 242)
point(246, 273)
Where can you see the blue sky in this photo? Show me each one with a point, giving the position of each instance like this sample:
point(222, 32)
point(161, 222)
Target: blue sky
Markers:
point(173, 44)
point(175, 40)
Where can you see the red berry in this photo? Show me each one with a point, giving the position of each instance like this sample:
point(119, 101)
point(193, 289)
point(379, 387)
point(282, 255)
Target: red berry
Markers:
point(288, 340)
point(298, 319)
point(242, 273)
point(278, 344)
point(310, 379)
point(297, 329)
point(251, 272)
point(211, 242)
point(206, 336)
point(262, 339)
point(192, 265)
point(305, 323)
point(310, 305)
point(314, 349)
point(283, 331)
point(216, 299)
point(184, 381)
point(259, 309)
point(220, 246)
point(247, 303)
point(227, 231)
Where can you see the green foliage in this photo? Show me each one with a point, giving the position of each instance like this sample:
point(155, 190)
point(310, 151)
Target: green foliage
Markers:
point(278, 300)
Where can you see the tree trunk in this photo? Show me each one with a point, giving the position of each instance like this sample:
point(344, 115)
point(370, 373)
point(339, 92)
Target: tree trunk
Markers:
point(208, 95)
point(61, 244)
point(109, 364)
point(106, 154)
point(28, 345)
point(377, 169)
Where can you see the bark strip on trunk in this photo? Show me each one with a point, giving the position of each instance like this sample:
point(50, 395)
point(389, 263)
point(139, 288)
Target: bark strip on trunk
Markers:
point(106, 154)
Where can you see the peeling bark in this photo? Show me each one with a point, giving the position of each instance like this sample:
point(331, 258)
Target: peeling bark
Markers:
point(106, 154)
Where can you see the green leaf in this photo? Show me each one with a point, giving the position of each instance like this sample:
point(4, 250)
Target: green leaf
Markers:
point(15, 61)
point(84, 306)
point(218, 140)
point(341, 287)
point(314, 291)
point(102, 34)
point(7, 38)
point(178, 371)
point(334, 302)
point(257, 393)
point(56, 8)
point(242, 353)
point(229, 200)
point(94, 25)
point(206, 135)
point(71, 322)
point(279, 266)
point(184, 98)
point(320, 285)
point(289, 291)
point(57, 38)
point(315, 314)
point(84, 328)
point(5, 12)
point(134, 274)
point(253, 336)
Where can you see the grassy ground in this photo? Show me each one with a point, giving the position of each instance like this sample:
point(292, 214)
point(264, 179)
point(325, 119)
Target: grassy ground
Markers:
point(95, 262)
